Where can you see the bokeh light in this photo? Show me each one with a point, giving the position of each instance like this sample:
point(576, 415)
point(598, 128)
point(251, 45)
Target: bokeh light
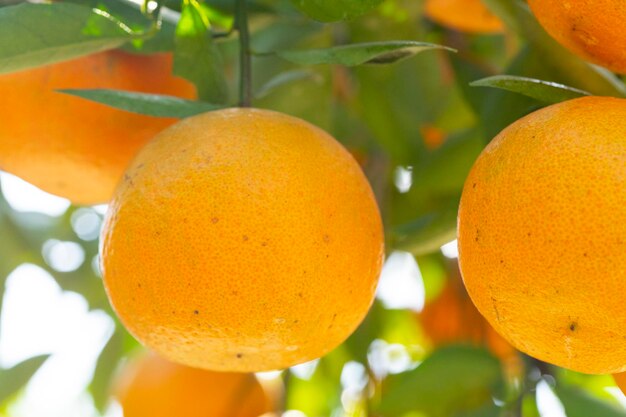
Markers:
point(401, 285)
point(24, 197)
point(63, 256)
point(86, 224)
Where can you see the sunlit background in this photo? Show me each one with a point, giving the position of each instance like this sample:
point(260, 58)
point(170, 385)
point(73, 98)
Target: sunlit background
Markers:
point(38, 317)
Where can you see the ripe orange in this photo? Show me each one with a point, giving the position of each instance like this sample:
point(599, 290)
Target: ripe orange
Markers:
point(592, 29)
point(72, 147)
point(242, 240)
point(154, 387)
point(463, 15)
point(452, 318)
point(542, 234)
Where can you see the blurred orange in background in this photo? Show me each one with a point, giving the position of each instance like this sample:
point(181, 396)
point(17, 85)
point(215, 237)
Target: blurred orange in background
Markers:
point(463, 15)
point(154, 387)
point(433, 136)
point(75, 148)
point(452, 318)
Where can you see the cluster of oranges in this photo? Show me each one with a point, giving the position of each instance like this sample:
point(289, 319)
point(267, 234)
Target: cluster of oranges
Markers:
point(238, 240)
point(542, 219)
point(245, 240)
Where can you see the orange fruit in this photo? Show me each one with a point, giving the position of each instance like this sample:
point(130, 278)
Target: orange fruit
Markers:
point(453, 318)
point(433, 136)
point(72, 147)
point(592, 29)
point(463, 15)
point(542, 234)
point(155, 387)
point(242, 240)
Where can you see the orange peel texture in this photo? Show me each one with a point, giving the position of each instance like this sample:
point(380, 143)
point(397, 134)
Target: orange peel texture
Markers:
point(542, 234)
point(242, 240)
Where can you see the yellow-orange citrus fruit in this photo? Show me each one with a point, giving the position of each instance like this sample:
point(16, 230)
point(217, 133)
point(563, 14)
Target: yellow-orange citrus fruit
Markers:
point(155, 387)
point(463, 15)
point(242, 240)
point(542, 234)
point(620, 380)
point(592, 29)
point(72, 147)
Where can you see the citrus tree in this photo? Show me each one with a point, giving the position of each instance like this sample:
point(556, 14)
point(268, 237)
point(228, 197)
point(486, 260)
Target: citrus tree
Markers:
point(244, 174)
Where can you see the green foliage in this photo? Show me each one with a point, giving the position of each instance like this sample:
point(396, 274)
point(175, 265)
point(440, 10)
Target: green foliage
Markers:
point(104, 373)
point(359, 54)
point(451, 380)
point(320, 394)
point(529, 406)
point(32, 35)
point(131, 15)
point(13, 379)
point(545, 91)
point(486, 411)
point(148, 104)
point(284, 79)
point(197, 58)
point(578, 403)
point(334, 10)
point(429, 232)
point(596, 385)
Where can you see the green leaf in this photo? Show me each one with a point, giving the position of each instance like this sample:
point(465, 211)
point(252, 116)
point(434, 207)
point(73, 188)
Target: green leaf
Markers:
point(161, 40)
point(33, 35)
point(228, 6)
point(394, 101)
point(578, 403)
point(15, 249)
point(596, 385)
point(443, 171)
point(286, 78)
point(335, 10)
point(370, 328)
point(26, 232)
point(429, 232)
point(100, 387)
point(142, 103)
point(196, 57)
point(12, 251)
point(319, 395)
point(497, 108)
point(529, 406)
point(278, 35)
point(453, 379)
point(13, 379)
point(392, 326)
point(11, 254)
point(360, 53)
point(490, 410)
point(546, 91)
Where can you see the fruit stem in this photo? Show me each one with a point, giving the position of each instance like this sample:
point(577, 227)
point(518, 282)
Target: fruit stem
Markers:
point(245, 59)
